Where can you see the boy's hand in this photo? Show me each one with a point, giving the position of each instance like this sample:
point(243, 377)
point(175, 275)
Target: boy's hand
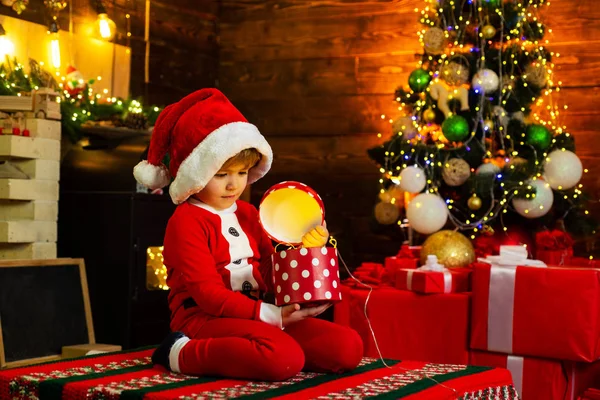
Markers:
point(293, 313)
point(317, 237)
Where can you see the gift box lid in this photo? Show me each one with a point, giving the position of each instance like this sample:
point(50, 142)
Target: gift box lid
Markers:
point(288, 210)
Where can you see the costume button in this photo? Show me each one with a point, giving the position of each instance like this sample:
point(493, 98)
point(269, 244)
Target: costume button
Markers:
point(238, 262)
point(233, 232)
point(246, 286)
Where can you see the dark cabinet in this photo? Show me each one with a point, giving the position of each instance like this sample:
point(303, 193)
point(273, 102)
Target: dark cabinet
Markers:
point(115, 227)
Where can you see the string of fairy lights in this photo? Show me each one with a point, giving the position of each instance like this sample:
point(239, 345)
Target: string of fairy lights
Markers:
point(545, 113)
point(156, 271)
point(85, 100)
point(104, 28)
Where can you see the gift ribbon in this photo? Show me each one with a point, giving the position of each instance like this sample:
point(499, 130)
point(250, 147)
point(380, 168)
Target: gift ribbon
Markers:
point(515, 365)
point(501, 302)
point(501, 298)
point(447, 282)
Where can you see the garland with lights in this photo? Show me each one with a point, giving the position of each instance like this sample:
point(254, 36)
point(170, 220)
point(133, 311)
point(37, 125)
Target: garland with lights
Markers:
point(81, 106)
point(481, 138)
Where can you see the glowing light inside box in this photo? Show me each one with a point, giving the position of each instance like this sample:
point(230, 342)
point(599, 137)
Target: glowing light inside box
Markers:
point(156, 272)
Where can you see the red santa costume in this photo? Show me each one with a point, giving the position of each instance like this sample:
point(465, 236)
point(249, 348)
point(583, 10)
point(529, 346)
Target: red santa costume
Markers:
point(218, 261)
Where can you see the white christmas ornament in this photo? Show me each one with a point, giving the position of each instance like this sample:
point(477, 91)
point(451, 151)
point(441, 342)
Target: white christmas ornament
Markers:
point(406, 126)
point(487, 168)
point(539, 205)
point(412, 179)
point(562, 169)
point(427, 213)
point(486, 81)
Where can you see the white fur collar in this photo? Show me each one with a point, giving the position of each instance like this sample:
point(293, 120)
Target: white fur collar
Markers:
point(198, 203)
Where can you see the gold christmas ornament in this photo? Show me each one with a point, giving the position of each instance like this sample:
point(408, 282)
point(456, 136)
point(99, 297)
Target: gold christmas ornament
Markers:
point(488, 31)
point(452, 249)
point(455, 74)
point(474, 202)
point(434, 41)
point(429, 115)
point(386, 213)
point(456, 172)
point(536, 75)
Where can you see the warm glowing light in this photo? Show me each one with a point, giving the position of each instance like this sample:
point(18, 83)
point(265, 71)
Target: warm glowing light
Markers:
point(55, 51)
point(105, 27)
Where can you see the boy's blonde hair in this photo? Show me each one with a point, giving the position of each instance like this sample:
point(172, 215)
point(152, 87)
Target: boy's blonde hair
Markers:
point(247, 157)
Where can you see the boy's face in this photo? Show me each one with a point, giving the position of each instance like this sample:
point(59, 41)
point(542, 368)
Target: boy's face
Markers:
point(225, 187)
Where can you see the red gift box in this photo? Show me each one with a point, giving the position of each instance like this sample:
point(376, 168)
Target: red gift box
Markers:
point(555, 257)
point(453, 280)
point(539, 378)
point(306, 275)
point(534, 378)
point(407, 257)
point(368, 273)
point(537, 311)
point(554, 247)
point(584, 262)
point(408, 325)
point(395, 263)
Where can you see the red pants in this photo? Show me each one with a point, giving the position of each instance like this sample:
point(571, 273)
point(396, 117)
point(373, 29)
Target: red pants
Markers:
point(246, 349)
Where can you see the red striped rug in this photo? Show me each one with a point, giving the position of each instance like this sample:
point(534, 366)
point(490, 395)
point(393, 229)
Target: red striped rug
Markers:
point(130, 376)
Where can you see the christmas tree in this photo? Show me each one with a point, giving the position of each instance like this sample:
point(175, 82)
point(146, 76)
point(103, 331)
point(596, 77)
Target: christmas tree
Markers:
point(480, 142)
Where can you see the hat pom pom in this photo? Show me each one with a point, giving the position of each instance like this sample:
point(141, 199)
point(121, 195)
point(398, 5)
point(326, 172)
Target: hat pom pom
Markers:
point(152, 176)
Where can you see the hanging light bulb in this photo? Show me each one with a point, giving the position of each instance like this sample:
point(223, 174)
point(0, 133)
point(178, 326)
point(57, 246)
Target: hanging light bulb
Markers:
point(105, 27)
point(7, 48)
point(54, 44)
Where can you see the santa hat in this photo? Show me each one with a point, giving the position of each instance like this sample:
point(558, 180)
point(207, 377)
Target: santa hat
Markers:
point(200, 133)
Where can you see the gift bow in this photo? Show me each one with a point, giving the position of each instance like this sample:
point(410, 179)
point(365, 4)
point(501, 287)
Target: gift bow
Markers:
point(512, 256)
point(501, 298)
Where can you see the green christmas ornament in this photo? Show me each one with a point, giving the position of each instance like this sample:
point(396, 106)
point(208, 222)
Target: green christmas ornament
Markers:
point(455, 128)
point(538, 136)
point(419, 80)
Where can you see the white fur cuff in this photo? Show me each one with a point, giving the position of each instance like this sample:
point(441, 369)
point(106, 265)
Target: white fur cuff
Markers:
point(271, 314)
point(151, 176)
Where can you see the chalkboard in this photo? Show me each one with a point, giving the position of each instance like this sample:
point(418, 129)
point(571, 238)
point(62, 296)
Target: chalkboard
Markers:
point(44, 305)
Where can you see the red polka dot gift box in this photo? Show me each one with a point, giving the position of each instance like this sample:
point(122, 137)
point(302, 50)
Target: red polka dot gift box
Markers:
point(287, 211)
point(306, 275)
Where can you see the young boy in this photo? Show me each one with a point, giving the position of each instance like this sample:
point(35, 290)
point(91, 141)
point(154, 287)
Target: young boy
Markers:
point(218, 257)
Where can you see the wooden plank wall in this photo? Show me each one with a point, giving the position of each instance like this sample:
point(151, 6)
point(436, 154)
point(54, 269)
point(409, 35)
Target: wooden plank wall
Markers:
point(316, 76)
point(183, 37)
